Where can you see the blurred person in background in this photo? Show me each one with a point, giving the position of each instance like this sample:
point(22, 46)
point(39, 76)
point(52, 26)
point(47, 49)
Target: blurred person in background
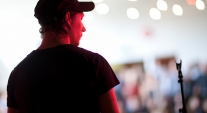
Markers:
point(204, 105)
point(59, 76)
point(130, 88)
point(192, 75)
point(194, 104)
point(3, 96)
point(201, 81)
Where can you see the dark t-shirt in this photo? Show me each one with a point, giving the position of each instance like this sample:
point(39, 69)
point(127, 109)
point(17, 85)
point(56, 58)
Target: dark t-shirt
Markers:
point(61, 79)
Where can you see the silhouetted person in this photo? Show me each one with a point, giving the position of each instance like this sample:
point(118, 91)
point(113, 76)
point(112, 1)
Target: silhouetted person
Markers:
point(59, 76)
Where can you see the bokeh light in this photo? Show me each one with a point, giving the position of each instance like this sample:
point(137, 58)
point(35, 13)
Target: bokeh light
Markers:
point(132, 13)
point(102, 9)
point(191, 2)
point(200, 5)
point(155, 14)
point(162, 5)
point(177, 10)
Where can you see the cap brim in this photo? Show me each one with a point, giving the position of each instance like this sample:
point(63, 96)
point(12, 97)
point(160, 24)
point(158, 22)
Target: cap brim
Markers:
point(86, 6)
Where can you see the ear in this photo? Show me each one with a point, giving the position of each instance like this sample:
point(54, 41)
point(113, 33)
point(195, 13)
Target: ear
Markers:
point(67, 18)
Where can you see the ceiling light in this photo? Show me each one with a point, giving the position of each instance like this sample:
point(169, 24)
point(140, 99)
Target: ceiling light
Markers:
point(177, 10)
point(200, 5)
point(102, 9)
point(162, 5)
point(155, 14)
point(132, 13)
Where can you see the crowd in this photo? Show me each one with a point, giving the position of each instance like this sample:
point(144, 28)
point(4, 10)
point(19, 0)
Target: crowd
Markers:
point(157, 92)
point(160, 91)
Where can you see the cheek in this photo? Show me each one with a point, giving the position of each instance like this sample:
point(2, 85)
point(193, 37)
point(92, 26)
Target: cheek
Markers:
point(80, 28)
point(77, 27)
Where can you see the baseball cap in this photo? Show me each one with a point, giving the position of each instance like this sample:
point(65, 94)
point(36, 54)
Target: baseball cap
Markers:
point(49, 11)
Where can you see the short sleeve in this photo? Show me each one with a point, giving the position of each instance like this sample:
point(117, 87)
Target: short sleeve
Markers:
point(10, 93)
point(105, 75)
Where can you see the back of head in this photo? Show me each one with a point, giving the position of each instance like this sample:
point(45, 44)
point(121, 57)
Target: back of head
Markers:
point(50, 13)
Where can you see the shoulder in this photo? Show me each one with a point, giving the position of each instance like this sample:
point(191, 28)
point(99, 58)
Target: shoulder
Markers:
point(25, 61)
point(90, 54)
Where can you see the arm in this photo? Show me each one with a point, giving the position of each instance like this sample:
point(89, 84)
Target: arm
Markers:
point(108, 102)
point(13, 110)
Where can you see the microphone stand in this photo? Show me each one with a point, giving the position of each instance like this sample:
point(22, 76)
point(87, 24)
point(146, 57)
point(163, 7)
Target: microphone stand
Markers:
point(180, 80)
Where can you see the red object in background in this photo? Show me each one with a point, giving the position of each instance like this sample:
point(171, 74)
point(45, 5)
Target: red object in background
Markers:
point(130, 89)
point(147, 31)
point(191, 2)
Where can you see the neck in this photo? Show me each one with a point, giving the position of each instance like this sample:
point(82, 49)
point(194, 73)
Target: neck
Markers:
point(49, 41)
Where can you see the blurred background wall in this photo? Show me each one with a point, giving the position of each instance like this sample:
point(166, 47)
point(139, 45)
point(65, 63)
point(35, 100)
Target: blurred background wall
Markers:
point(141, 39)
